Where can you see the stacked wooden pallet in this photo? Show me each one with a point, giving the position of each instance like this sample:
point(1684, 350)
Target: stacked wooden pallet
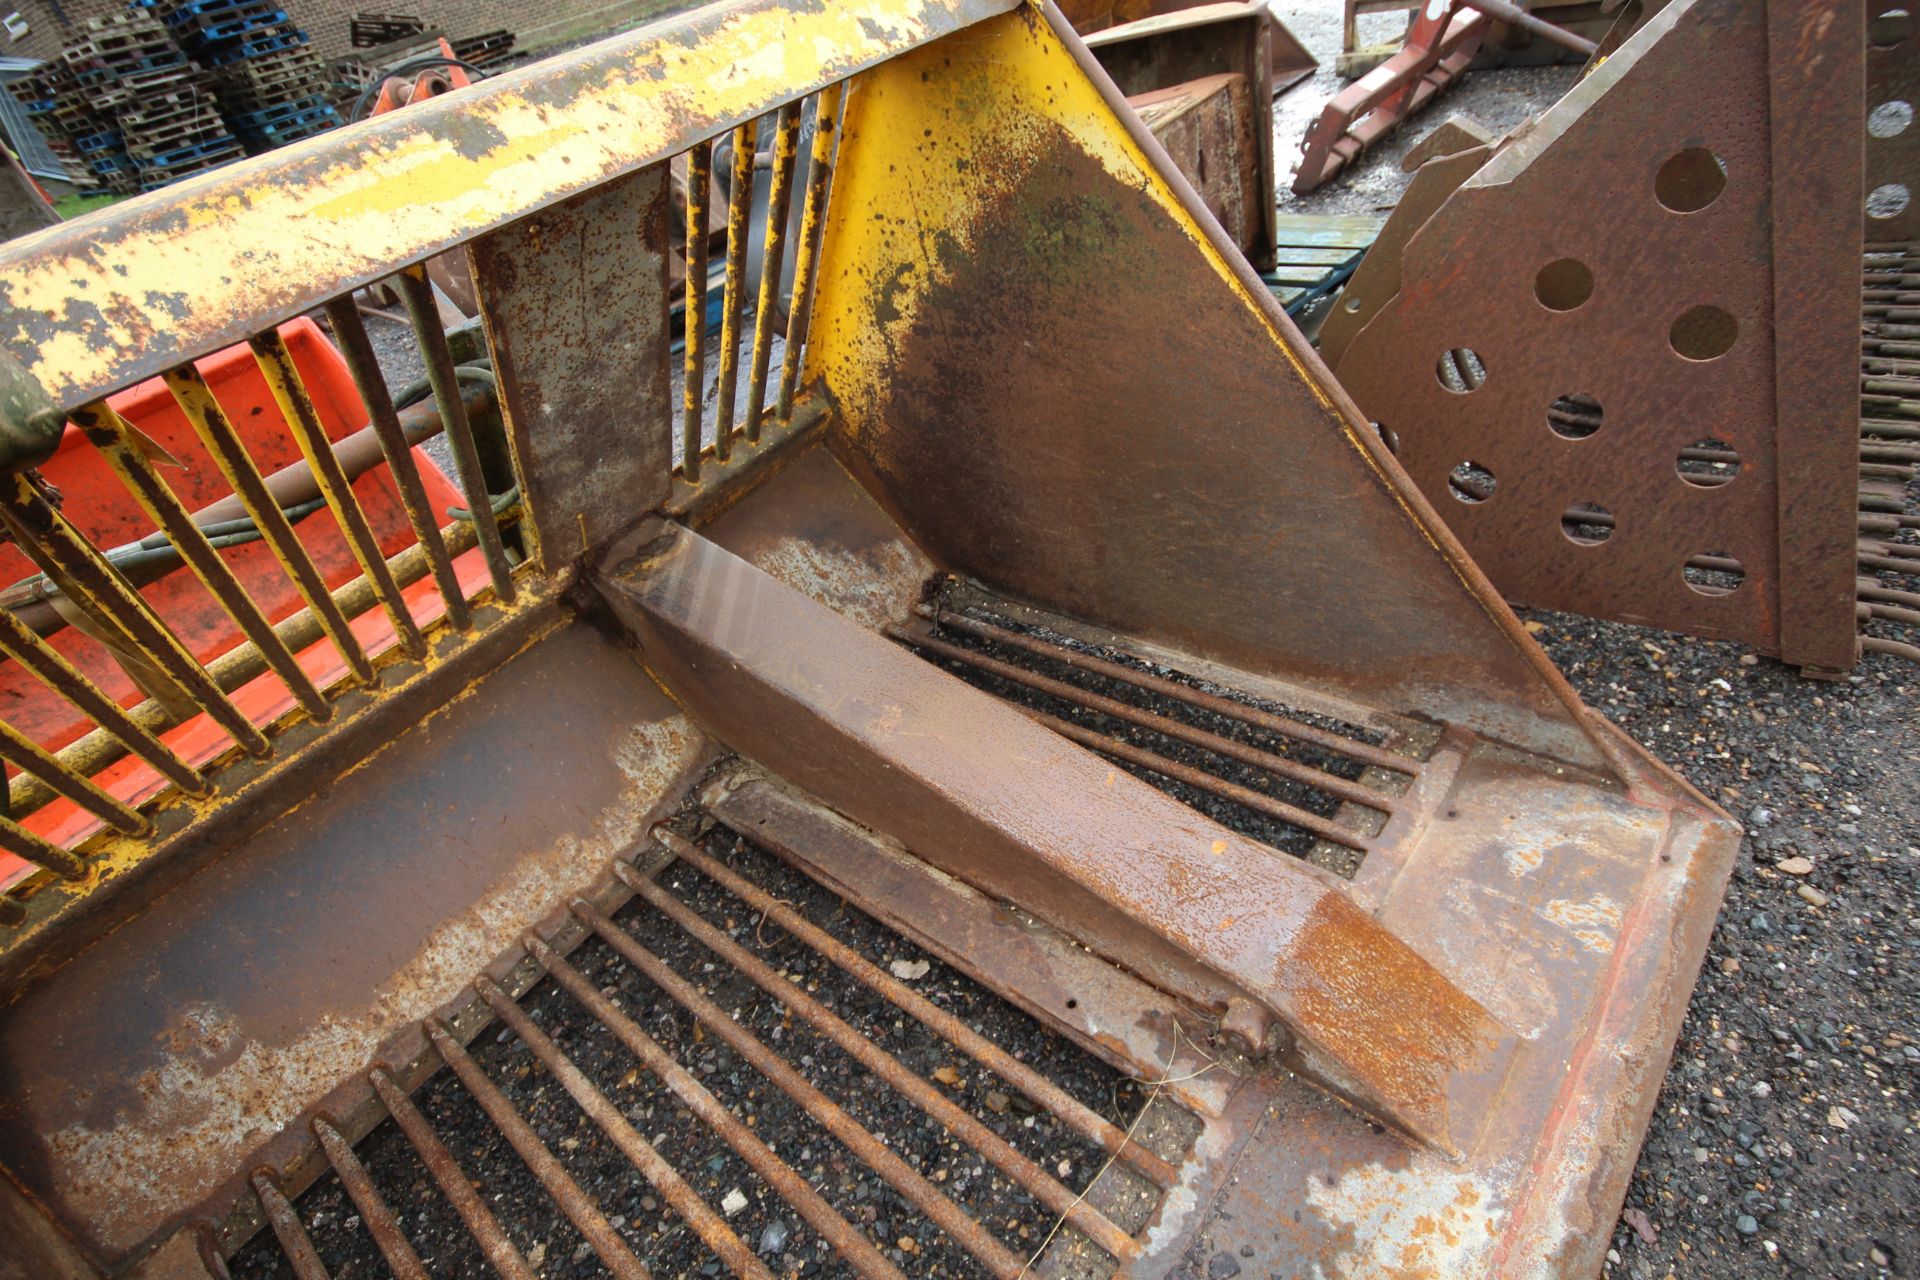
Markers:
point(370, 30)
point(125, 109)
point(484, 49)
point(272, 87)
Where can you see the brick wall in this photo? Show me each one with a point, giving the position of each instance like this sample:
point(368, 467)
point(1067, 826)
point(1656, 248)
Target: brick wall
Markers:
point(537, 23)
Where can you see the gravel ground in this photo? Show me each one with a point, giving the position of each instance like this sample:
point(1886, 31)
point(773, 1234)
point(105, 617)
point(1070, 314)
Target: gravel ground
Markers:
point(1784, 1142)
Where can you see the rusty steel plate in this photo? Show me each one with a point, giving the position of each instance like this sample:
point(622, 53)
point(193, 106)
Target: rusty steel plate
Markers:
point(1893, 136)
point(1621, 357)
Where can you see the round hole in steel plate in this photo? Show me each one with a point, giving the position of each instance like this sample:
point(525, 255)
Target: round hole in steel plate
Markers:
point(1690, 180)
point(1888, 200)
point(1460, 370)
point(1705, 332)
point(1563, 284)
point(1889, 27)
point(1471, 483)
point(1714, 573)
point(1388, 436)
point(1587, 524)
point(1708, 464)
point(1574, 417)
point(1890, 119)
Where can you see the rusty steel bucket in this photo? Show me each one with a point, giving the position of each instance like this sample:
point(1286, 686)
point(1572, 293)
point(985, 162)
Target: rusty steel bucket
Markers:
point(988, 769)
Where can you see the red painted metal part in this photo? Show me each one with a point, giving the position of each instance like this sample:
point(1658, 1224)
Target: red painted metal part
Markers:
point(1439, 46)
point(101, 507)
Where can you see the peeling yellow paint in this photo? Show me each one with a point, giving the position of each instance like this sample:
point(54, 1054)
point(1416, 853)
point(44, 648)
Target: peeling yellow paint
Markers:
point(360, 202)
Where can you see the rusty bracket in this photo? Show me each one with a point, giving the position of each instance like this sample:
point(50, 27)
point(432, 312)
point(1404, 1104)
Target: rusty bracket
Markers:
point(1438, 48)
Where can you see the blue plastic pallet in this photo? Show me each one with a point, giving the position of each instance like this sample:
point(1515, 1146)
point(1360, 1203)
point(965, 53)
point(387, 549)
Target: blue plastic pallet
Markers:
point(186, 15)
point(285, 130)
point(198, 38)
point(194, 8)
point(254, 48)
point(274, 115)
point(257, 143)
point(118, 71)
point(180, 155)
point(96, 142)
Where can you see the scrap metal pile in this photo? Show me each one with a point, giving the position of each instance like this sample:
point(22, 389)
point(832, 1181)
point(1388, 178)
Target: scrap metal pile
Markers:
point(906, 721)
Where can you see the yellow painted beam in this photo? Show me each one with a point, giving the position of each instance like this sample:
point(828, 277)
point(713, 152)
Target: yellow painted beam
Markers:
point(93, 305)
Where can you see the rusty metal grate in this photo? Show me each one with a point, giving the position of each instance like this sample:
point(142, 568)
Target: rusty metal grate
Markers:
point(764, 216)
point(1888, 591)
point(88, 599)
point(1310, 785)
point(737, 1073)
point(763, 303)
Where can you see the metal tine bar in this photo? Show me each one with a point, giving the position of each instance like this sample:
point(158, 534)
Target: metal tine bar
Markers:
point(708, 1225)
point(100, 748)
point(806, 260)
point(1871, 590)
point(1874, 644)
point(1333, 743)
point(773, 254)
point(580, 1208)
point(290, 392)
point(380, 1223)
point(1888, 563)
point(114, 437)
point(19, 642)
point(22, 843)
point(30, 757)
point(91, 618)
point(693, 310)
point(196, 401)
point(351, 332)
point(286, 1226)
point(739, 210)
point(1045, 1093)
point(90, 581)
point(1258, 801)
point(446, 1171)
point(964, 1125)
point(1887, 613)
point(417, 293)
point(858, 1251)
point(1331, 783)
point(963, 1229)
